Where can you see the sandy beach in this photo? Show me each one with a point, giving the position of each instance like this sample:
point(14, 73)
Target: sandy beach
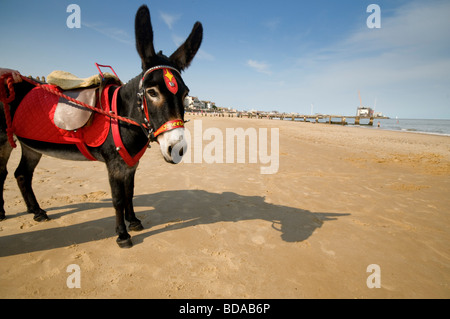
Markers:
point(342, 199)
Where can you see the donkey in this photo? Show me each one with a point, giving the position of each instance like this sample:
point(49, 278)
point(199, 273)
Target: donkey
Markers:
point(159, 88)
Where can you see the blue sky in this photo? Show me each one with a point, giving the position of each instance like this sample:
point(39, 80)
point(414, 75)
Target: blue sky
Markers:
point(266, 55)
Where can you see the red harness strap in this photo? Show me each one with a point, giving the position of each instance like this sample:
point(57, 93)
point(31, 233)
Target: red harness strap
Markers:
point(131, 161)
point(81, 145)
point(84, 150)
point(79, 141)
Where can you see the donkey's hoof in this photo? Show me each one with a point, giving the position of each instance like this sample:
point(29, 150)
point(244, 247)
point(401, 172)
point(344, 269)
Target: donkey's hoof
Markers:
point(136, 226)
point(41, 217)
point(124, 243)
point(2, 216)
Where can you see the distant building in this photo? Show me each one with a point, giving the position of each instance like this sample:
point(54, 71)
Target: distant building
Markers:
point(193, 103)
point(378, 114)
point(208, 104)
point(363, 111)
point(189, 102)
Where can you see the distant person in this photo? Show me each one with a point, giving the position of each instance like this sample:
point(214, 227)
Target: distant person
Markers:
point(15, 74)
point(379, 124)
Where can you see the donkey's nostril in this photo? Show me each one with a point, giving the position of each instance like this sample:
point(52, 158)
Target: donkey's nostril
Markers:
point(181, 152)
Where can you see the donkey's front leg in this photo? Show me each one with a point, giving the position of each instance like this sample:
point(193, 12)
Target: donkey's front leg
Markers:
point(130, 216)
point(121, 179)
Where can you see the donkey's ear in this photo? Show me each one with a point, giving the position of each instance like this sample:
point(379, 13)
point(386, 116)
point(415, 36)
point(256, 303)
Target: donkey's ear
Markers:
point(144, 36)
point(184, 55)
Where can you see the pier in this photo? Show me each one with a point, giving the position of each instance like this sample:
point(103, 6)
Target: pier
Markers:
point(318, 118)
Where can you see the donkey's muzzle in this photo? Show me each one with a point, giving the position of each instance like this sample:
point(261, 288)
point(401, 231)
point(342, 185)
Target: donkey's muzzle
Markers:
point(173, 145)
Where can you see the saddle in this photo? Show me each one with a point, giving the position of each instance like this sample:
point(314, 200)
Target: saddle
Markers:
point(68, 115)
point(68, 81)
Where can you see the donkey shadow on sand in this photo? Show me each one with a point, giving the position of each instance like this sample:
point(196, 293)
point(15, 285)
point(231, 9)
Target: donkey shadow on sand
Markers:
point(198, 207)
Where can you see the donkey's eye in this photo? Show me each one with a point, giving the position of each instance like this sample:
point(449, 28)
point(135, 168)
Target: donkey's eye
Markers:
point(152, 92)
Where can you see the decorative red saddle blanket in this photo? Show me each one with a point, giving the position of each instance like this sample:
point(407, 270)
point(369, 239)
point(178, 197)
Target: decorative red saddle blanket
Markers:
point(34, 120)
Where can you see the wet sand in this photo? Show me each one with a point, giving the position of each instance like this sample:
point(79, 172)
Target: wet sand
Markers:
point(343, 198)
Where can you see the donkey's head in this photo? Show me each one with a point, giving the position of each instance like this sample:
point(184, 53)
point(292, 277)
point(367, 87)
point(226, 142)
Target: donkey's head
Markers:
point(162, 88)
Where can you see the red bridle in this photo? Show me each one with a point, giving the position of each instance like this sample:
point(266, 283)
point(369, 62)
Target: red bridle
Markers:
point(172, 86)
point(169, 126)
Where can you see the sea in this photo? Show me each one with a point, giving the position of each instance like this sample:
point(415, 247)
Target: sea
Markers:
point(424, 126)
point(427, 126)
